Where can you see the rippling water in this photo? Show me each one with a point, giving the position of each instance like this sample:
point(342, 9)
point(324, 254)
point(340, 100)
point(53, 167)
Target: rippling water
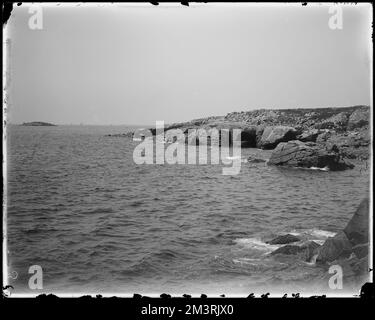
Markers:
point(96, 222)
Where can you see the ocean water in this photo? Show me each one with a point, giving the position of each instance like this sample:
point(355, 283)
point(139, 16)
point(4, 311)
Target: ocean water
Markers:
point(96, 222)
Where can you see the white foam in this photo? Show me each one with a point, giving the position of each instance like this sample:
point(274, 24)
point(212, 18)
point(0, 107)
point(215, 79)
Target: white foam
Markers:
point(326, 168)
point(321, 233)
point(256, 243)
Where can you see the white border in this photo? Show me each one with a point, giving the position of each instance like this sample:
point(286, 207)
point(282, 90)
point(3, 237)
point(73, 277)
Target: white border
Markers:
point(6, 85)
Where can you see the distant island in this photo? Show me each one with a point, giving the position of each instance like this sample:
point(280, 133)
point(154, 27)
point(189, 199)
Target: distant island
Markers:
point(38, 124)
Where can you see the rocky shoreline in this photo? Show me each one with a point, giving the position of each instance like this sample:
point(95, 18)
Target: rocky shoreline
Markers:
point(349, 248)
point(315, 137)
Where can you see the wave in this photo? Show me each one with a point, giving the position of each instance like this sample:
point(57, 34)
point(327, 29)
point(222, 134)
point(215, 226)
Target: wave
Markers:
point(326, 168)
point(256, 244)
point(321, 233)
point(233, 158)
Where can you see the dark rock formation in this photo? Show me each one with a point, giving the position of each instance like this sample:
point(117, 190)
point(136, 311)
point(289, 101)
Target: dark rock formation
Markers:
point(352, 144)
point(308, 250)
point(38, 124)
point(309, 135)
point(353, 239)
point(307, 155)
point(357, 228)
point(124, 135)
point(284, 239)
point(287, 249)
point(335, 247)
point(272, 136)
point(304, 252)
point(343, 129)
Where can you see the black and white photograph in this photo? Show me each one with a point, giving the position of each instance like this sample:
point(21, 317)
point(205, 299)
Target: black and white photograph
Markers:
point(188, 148)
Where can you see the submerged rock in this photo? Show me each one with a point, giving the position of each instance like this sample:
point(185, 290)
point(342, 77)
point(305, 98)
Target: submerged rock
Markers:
point(287, 238)
point(272, 136)
point(307, 155)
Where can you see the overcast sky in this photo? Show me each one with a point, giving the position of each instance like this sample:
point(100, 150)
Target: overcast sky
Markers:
point(134, 65)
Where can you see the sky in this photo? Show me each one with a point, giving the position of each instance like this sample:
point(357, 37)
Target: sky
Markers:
point(123, 64)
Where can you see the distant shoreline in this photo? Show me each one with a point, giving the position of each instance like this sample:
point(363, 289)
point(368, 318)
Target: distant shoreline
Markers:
point(38, 124)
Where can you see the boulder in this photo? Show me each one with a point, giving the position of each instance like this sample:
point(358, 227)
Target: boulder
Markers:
point(361, 250)
point(335, 247)
point(305, 251)
point(307, 155)
point(309, 135)
point(359, 118)
point(287, 249)
point(308, 250)
point(284, 239)
point(272, 136)
point(357, 228)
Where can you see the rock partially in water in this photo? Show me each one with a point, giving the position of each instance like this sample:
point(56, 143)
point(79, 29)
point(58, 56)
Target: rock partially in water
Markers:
point(352, 144)
point(272, 136)
point(284, 239)
point(308, 250)
point(361, 250)
point(287, 249)
point(122, 135)
point(305, 252)
point(352, 241)
point(357, 229)
point(334, 248)
point(307, 155)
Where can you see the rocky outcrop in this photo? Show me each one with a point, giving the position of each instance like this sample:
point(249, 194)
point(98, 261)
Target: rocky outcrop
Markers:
point(359, 118)
point(305, 252)
point(335, 247)
point(284, 239)
point(357, 228)
point(307, 155)
point(272, 136)
point(344, 129)
point(338, 122)
point(352, 240)
point(309, 135)
point(352, 144)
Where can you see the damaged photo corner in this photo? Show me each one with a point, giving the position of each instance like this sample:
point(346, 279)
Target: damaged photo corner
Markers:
point(222, 149)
